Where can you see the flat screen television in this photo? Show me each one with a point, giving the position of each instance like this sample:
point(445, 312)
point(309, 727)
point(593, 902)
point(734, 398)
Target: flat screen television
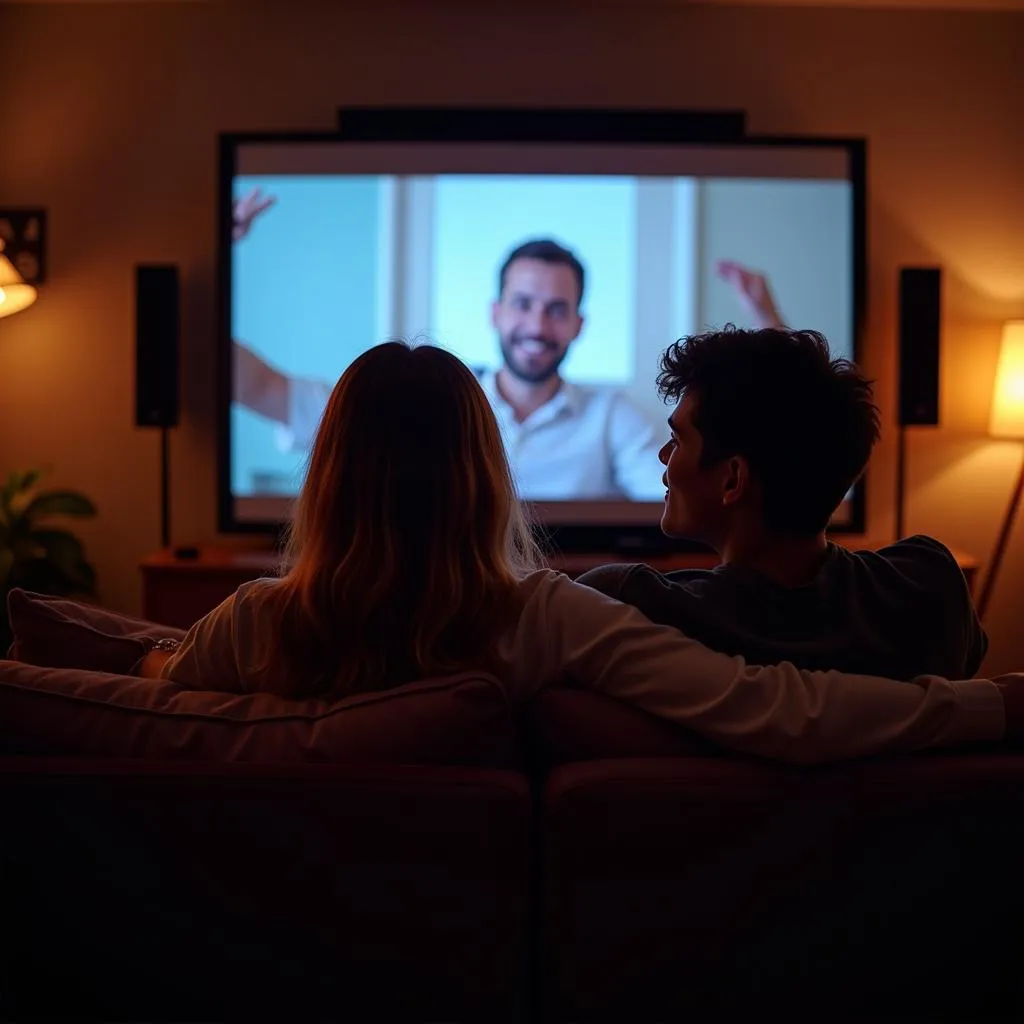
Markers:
point(369, 239)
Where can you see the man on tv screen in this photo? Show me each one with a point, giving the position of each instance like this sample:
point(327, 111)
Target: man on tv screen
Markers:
point(565, 440)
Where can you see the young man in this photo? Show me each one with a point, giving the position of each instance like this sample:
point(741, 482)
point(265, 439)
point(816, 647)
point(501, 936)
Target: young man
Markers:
point(768, 434)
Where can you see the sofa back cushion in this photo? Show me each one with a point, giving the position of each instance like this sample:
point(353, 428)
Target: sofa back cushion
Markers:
point(737, 889)
point(182, 892)
point(60, 633)
point(458, 720)
point(562, 725)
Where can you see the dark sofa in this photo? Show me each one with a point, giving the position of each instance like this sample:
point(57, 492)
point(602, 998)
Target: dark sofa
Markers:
point(688, 887)
point(424, 854)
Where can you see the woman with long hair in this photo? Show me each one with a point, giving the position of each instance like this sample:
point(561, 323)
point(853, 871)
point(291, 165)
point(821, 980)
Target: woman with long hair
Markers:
point(409, 557)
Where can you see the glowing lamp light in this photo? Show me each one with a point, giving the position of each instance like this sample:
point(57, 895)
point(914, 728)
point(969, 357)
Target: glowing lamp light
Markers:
point(1007, 420)
point(15, 295)
point(1007, 416)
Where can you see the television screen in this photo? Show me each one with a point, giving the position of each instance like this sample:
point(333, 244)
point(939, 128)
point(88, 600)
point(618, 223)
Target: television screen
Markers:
point(558, 273)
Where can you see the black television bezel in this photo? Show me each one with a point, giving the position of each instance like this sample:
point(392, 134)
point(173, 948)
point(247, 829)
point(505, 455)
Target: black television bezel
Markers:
point(441, 125)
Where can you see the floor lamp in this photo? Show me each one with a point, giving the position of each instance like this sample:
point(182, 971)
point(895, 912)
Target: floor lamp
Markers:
point(1007, 421)
point(15, 295)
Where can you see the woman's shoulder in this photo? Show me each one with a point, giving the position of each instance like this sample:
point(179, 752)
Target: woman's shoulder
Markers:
point(251, 600)
point(540, 582)
point(257, 590)
point(547, 589)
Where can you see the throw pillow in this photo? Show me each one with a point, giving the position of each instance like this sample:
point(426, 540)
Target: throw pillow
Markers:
point(57, 712)
point(59, 633)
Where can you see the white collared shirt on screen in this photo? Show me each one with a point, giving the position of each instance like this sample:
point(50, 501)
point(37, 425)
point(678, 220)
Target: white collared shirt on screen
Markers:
point(587, 443)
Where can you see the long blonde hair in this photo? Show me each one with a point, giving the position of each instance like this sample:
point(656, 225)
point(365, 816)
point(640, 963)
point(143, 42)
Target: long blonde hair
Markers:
point(408, 540)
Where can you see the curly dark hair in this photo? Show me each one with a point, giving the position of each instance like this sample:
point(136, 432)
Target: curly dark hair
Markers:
point(806, 423)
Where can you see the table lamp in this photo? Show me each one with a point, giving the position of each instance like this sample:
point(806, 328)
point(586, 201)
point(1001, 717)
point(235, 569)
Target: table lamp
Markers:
point(1007, 421)
point(15, 295)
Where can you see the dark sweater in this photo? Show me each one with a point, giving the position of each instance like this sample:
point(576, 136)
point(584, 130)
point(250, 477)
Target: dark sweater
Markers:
point(902, 611)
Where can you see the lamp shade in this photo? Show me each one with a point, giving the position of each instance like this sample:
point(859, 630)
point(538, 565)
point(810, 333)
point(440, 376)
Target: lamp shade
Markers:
point(1007, 417)
point(14, 293)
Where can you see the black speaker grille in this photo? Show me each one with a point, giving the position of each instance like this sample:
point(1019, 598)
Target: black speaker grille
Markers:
point(920, 304)
point(156, 346)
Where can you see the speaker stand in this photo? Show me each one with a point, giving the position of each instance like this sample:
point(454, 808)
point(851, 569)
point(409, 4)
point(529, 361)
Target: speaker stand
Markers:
point(165, 486)
point(901, 480)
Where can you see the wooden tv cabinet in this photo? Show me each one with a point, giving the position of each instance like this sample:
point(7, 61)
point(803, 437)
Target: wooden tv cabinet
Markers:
point(178, 591)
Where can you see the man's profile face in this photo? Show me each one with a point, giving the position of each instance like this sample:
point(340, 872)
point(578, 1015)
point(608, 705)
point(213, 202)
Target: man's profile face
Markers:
point(537, 318)
point(693, 494)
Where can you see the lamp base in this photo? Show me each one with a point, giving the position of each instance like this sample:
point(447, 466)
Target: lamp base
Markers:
point(1002, 544)
point(901, 478)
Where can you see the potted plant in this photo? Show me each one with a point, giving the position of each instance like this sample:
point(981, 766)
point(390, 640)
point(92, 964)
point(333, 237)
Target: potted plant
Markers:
point(35, 554)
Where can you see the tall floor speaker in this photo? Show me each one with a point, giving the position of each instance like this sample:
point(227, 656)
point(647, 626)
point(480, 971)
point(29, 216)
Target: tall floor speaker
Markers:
point(920, 310)
point(157, 343)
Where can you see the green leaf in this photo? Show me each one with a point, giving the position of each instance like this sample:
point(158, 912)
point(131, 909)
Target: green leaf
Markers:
point(18, 482)
point(29, 479)
point(59, 503)
point(50, 561)
point(7, 492)
point(61, 547)
point(23, 546)
point(64, 551)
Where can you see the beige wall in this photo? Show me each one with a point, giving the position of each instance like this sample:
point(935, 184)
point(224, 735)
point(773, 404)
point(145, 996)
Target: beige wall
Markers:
point(110, 114)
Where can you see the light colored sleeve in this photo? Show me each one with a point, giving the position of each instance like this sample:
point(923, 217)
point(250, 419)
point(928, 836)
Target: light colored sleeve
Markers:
point(778, 712)
point(634, 444)
point(307, 399)
point(206, 659)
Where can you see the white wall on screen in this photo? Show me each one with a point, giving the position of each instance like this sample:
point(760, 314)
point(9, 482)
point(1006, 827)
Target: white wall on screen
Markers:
point(796, 232)
point(388, 257)
point(416, 285)
point(659, 279)
point(687, 271)
point(653, 308)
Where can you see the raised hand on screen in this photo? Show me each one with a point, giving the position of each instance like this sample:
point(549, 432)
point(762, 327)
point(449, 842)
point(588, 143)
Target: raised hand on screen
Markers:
point(753, 290)
point(247, 209)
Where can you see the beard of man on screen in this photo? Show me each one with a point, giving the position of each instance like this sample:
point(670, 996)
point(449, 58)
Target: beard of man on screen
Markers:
point(568, 440)
point(537, 317)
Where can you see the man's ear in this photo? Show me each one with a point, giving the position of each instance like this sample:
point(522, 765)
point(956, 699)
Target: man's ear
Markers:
point(495, 305)
point(737, 480)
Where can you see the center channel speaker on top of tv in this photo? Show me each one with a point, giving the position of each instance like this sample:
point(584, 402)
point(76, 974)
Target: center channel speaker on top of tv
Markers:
point(920, 303)
point(156, 346)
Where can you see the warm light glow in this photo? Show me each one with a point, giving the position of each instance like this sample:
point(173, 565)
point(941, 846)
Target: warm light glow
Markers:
point(14, 293)
point(1007, 419)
